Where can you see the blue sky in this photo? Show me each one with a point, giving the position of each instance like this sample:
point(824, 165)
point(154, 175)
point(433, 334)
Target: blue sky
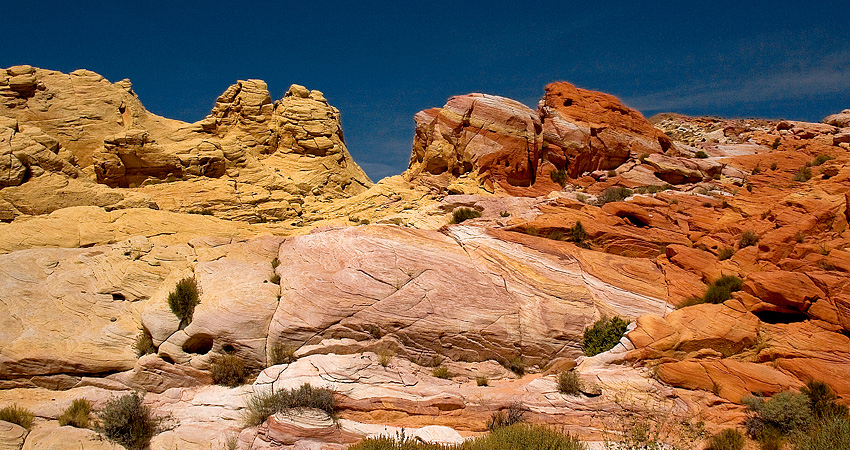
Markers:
point(381, 62)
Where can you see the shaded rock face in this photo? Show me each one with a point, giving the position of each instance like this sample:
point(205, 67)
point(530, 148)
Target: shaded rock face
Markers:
point(494, 137)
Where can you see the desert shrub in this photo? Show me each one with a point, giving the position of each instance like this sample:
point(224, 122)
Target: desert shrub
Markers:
point(504, 214)
point(776, 143)
point(652, 189)
point(577, 233)
point(144, 344)
point(722, 288)
point(128, 422)
point(802, 174)
point(461, 214)
point(532, 231)
point(281, 354)
point(568, 383)
point(516, 364)
point(275, 278)
point(822, 401)
point(183, 299)
point(748, 238)
point(691, 301)
point(774, 166)
point(613, 194)
point(228, 370)
point(262, 405)
point(441, 372)
point(517, 436)
point(77, 415)
point(701, 154)
point(603, 335)
point(515, 413)
point(756, 170)
point(556, 235)
point(482, 381)
point(725, 253)
point(829, 434)
point(559, 176)
point(728, 439)
point(820, 159)
point(384, 357)
point(784, 413)
point(17, 415)
point(275, 262)
point(611, 173)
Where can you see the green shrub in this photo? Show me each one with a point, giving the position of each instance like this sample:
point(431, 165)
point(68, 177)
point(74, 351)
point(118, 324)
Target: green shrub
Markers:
point(275, 262)
point(144, 344)
point(774, 166)
point(748, 238)
point(281, 354)
point(775, 144)
point(728, 439)
point(262, 405)
point(461, 214)
point(504, 214)
point(756, 170)
point(556, 235)
point(829, 434)
point(784, 413)
point(822, 401)
point(228, 370)
point(613, 194)
point(441, 372)
point(516, 364)
point(482, 381)
point(17, 415)
point(568, 383)
point(515, 437)
point(515, 413)
point(183, 300)
point(128, 422)
point(559, 176)
point(820, 159)
point(603, 335)
point(701, 154)
point(722, 288)
point(77, 415)
point(577, 233)
point(725, 253)
point(802, 174)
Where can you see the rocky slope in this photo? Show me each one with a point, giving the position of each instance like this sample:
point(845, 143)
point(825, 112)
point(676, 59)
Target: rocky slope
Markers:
point(367, 287)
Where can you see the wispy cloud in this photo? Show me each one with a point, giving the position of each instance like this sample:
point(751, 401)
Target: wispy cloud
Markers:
point(797, 85)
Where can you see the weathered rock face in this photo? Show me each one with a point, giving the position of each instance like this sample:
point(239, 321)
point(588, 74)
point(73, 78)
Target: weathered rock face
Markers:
point(841, 119)
point(586, 130)
point(494, 137)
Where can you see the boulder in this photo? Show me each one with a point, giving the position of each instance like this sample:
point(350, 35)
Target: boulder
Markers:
point(840, 120)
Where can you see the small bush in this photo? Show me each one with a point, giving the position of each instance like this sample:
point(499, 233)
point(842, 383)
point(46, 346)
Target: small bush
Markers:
point(461, 214)
point(721, 289)
point(17, 415)
point(518, 436)
point(613, 194)
point(701, 154)
point(228, 370)
point(504, 214)
point(728, 439)
point(725, 253)
point(559, 176)
point(568, 383)
point(784, 413)
point(775, 144)
point(384, 357)
point(77, 415)
point(603, 335)
point(144, 344)
point(820, 159)
point(183, 300)
point(261, 406)
point(482, 381)
point(822, 401)
point(128, 422)
point(774, 166)
point(532, 231)
point(275, 262)
point(515, 413)
point(556, 235)
point(577, 234)
point(756, 170)
point(802, 174)
point(516, 365)
point(831, 434)
point(441, 372)
point(748, 238)
point(281, 354)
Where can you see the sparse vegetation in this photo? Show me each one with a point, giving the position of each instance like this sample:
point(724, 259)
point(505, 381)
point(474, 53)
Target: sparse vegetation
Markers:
point(748, 238)
point(275, 262)
point(568, 383)
point(513, 437)
point(721, 289)
point(613, 194)
point(144, 344)
point(559, 176)
point(578, 235)
point(262, 405)
point(281, 354)
point(516, 364)
point(652, 189)
point(728, 439)
point(603, 335)
point(384, 357)
point(820, 159)
point(504, 214)
point(17, 415)
point(829, 434)
point(701, 154)
point(482, 381)
point(183, 300)
point(822, 401)
point(773, 166)
point(461, 214)
point(77, 415)
point(228, 370)
point(441, 372)
point(756, 170)
point(725, 253)
point(515, 413)
point(556, 235)
point(775, 145)
point(128, 422)
point(802, 174)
